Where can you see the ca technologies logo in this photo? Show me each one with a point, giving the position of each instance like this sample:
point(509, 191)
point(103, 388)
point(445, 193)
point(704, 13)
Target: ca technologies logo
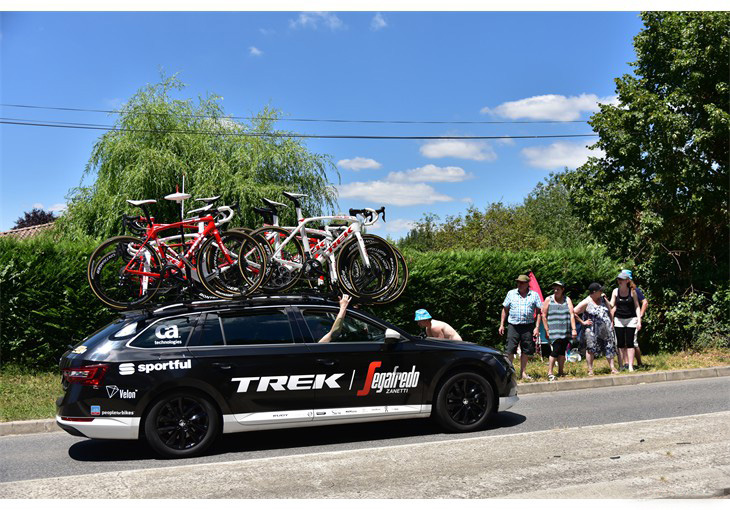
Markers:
point(288, 382)
point(145, 368)
point(391, 382)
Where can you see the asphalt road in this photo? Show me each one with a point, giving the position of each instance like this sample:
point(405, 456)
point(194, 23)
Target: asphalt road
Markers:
point(59, 454)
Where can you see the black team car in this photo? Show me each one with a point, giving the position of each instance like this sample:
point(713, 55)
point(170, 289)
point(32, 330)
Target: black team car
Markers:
point(181, 375)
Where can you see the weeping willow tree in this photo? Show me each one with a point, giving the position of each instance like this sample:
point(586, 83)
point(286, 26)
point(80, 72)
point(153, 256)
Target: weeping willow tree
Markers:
point(157, 139)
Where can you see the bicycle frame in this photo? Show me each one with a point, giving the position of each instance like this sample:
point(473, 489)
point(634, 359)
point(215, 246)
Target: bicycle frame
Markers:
point(179, 261)
point(323, 248)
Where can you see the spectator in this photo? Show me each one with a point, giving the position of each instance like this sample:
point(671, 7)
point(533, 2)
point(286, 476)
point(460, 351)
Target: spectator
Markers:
point(627, 320)
point(644, 305)
point(598, 326)
point(522, 306)
point(559, 322)
point(434, 328)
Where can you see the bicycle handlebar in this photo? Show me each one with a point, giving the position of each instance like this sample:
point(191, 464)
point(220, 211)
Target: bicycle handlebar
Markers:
point(371, 215)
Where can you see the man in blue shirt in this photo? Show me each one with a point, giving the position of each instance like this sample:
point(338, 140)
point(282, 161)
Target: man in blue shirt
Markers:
point(522, 306)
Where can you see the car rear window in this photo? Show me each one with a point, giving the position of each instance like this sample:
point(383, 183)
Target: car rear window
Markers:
point(101, 334)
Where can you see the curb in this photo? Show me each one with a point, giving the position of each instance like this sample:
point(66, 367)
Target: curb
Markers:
point(622, 380)
point(9, 428)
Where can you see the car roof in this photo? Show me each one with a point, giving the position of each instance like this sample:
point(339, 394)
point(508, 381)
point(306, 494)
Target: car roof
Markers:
point(213, 305)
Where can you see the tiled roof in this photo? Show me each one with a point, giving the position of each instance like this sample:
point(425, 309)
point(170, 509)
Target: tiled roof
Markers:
point(26, 232)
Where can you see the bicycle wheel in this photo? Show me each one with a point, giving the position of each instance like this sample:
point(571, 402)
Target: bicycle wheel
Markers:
point(283, 271)
point(217, 265)
point(123, 272)
point(401, 281)
point(367, 282)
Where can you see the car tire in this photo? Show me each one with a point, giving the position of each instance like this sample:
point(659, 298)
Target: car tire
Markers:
point(464, 402)
point(181, 424)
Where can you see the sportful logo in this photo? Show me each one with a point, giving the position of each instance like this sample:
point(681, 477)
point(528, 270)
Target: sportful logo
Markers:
point(126, 394)
point(145, 368)
point(391, 382)
point(288, 382)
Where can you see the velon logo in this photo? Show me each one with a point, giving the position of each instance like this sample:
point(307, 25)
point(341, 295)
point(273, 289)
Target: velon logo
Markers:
point(288, 382)
point(391, 382)
point(145, 368)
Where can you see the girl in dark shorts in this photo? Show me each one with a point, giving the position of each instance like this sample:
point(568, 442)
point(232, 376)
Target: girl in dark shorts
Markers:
point(627, 318)
point(559, 322)
point(599, 327)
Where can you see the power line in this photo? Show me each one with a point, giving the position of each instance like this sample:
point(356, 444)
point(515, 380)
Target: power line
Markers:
point(69, 125)
point(301, 119)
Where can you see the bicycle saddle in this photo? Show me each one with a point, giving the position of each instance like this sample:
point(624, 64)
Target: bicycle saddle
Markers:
point(141, 202)
point(294, 196)
point(273, 205)
point(208, 200)
point(178, 197)
point(201, 209)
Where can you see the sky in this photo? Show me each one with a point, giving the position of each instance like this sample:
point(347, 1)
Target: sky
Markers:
point(387, 66)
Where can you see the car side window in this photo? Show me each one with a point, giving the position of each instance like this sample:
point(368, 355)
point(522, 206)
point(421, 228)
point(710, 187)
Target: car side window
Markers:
point(353, 328)
point(208, 333)
point(257, 328)
point(173, 332)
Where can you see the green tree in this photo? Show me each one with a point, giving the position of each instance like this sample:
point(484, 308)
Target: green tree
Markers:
point(660, 193)
point(157, 139)
point(549, 207)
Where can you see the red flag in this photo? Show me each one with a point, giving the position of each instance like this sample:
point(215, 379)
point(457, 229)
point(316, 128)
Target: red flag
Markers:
point(534, 285)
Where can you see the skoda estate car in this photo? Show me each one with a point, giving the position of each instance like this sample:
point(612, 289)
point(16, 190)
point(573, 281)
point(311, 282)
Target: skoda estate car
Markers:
point(181, 375)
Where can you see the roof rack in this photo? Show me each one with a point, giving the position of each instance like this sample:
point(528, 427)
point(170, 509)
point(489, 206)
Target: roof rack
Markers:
point(152, 310)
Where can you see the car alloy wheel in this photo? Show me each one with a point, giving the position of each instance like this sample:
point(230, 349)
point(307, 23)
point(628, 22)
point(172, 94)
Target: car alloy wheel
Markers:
point(464, 402)
point(181, 425)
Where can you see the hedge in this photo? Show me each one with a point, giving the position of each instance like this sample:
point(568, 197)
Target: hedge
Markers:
point(46, 303)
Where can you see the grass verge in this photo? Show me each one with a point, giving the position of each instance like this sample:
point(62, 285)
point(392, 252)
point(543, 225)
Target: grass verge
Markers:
point(538, 369)
point(30, 395)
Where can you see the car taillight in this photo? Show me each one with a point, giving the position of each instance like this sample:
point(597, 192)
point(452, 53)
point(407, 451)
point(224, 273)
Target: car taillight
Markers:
point(90, 375)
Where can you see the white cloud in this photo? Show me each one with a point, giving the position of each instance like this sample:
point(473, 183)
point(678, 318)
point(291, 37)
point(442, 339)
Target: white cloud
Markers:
point(467, 200)
point(559, 155)
point(58, 208)
point(392, 193)
point(550, 107)
point(359, 163)
point(254, 51)
point(267, 31)
point(396, 226)
point(37, 205)
point(378, 22)
point(464, 149)
point(314, 19)
point(431, 173)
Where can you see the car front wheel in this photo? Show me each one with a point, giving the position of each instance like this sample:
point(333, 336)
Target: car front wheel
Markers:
point(464, 402)
point(181, 424)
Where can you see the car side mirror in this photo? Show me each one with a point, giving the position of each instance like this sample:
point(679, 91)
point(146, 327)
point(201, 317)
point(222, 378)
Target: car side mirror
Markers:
point(392, 336)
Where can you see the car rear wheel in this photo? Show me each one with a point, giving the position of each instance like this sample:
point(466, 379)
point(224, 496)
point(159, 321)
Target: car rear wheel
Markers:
point(181, 424)
point(464, 402)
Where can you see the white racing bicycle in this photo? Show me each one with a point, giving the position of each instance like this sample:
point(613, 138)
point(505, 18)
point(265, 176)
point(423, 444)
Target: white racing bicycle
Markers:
point(362, 265)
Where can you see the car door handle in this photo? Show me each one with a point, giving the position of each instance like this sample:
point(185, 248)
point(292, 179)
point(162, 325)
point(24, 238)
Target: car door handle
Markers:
point(223, 366)
point(327, 362)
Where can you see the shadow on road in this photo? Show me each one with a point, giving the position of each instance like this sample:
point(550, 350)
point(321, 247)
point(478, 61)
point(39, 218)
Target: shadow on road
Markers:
point(96, 450)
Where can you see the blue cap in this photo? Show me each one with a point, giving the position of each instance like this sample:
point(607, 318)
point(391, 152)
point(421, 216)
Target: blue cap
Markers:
point(624, 275)
point(422, 315)
point(629, 273)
